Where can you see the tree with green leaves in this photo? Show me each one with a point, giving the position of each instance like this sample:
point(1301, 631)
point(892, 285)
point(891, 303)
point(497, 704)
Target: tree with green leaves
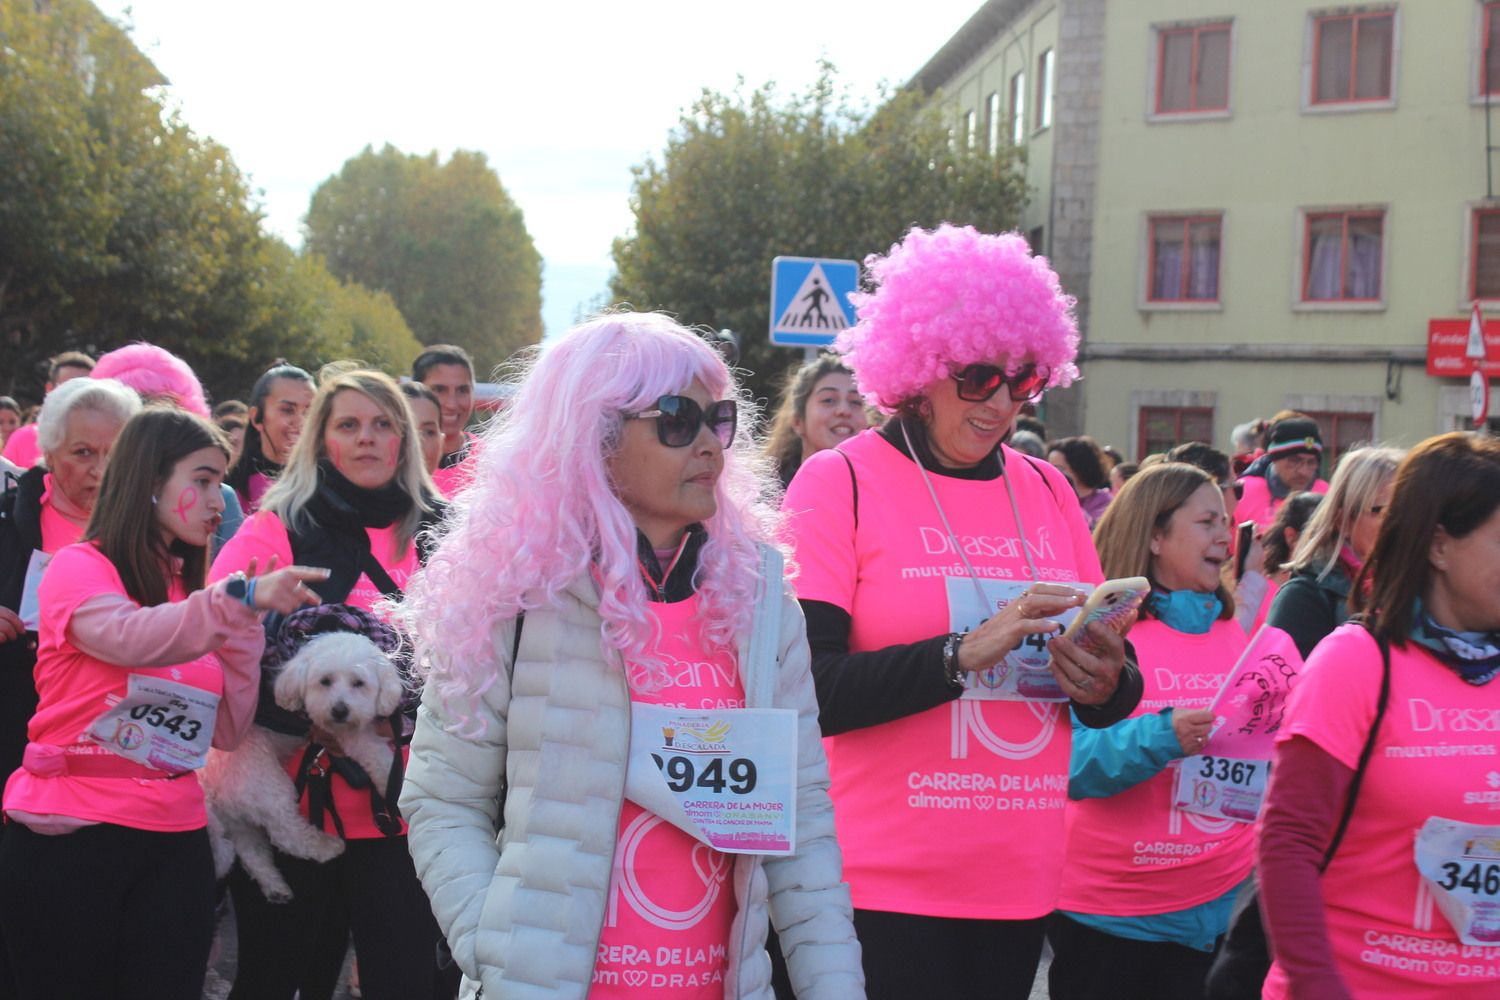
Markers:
point(444, 239)
point(118, 223)
point(748, 177)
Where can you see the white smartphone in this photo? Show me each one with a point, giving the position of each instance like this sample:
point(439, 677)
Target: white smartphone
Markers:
point(1111, 603)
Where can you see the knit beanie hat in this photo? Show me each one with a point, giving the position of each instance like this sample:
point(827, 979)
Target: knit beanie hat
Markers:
point(1294, 436)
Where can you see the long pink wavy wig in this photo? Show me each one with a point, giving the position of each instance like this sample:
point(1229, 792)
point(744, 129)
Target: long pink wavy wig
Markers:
point(153, 371)
point(540, 512)
point(951, 297)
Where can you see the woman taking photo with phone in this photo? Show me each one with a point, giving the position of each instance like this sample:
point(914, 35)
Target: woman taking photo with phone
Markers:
point(106, 877)
point(1377, 847)
point(353, 497)
point(583, 593)
point(1148, 888)
point(932, 562)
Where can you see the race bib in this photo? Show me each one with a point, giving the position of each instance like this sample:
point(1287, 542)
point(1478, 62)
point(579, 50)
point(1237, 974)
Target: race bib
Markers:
point(1024, 675)
point(1460, 862)
point(31, 615)
point(1221, 787)
point(160, 723)
point(732, 773)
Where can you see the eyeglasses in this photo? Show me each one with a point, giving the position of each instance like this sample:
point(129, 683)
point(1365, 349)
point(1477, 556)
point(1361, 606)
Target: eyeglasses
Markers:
point(977, 383)
point(679, 417)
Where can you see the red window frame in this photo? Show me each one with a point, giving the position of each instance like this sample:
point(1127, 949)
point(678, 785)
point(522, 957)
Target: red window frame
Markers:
point(1357, 19)
point(1178, 413)
point(1197, 31)
point(1186, 222)
point(1347, 217)
point(1491, 10)
point(1475, 216)
point(1336, 441)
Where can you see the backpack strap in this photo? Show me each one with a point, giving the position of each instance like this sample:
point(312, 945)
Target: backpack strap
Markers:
point(853, 484)
point(1366, 753)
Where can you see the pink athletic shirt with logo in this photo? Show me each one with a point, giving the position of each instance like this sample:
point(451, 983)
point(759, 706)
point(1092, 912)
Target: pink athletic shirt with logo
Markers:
point(1133, 853)
point(956, 811)
point(71, 689)
point(1258, 505)
point(671, 901)
point(262, 536)
point(1436, 755)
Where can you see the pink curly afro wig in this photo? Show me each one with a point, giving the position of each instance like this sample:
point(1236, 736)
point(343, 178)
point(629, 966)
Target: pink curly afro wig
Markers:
point(953, 297)
point(154, 372)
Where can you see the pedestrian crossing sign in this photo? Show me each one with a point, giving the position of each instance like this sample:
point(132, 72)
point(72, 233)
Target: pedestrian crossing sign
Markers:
point(810, 300)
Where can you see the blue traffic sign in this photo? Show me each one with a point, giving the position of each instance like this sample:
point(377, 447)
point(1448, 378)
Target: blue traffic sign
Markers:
point(810, 300)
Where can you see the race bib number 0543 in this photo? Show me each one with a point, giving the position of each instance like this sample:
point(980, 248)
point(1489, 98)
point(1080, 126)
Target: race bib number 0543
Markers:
point(160, 723)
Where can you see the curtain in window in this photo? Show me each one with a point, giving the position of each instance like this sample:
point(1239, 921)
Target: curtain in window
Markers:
point(1325, 250)
point(1364, 259)
point(1166, 281)
point(1176, 71)
point(1213, 69)
point(1203, 274)
point(1487, 256)
point(1373, 57)
point(1335, 52)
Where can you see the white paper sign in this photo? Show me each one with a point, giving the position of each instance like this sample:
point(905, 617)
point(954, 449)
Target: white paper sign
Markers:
point(1024, 675)
point(732, 772)
point(159, 723)
point(30, 614)
point(1461, 864)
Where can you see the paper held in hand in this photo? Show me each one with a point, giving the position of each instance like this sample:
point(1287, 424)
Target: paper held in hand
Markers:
point(1227, 779)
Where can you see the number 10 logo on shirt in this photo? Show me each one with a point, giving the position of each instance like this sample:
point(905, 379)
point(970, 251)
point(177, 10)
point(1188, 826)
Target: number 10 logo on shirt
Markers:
point(969, 721)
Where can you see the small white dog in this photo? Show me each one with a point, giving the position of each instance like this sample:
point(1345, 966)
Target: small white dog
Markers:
point(346, 684)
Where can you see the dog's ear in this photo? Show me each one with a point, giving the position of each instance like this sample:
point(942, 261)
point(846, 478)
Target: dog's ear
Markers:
point(388, 695)
point(292, 682)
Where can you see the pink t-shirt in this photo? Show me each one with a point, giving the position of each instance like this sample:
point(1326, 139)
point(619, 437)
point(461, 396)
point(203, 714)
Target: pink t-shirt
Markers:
point(1436, 755)
point(455, 477)
point(262, 536)
point(671, 902)
point(256, 485)
point(1259, 505)
point(21, 447)
point(71, 690)
point(58, 530)
point(1134, 853)
point(955, 811)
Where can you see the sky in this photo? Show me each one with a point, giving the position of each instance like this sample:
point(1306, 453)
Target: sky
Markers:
point(563, 98)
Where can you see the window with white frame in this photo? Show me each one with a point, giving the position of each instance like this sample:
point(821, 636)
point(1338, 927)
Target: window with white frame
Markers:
point(1044, 90)
point(971, 129)
point(1342, 255)
point(995, 122)
point(1353, 57)
point(1192, 69)
point(1184, 258)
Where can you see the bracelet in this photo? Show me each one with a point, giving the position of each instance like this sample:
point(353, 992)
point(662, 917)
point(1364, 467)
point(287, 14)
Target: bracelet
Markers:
point(250, 593)
point(952, 672)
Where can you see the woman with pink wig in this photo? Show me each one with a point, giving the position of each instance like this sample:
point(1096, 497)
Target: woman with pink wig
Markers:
point(935, 563)
point(617, 682)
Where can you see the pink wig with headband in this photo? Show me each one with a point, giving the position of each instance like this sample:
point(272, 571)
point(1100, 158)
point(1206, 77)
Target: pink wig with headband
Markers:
point(154, 373)
point(953, 297)
point(540, 515)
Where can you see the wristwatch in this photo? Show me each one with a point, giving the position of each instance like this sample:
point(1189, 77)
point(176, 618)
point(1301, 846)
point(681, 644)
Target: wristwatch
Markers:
point(237, 587)
point(952, 672)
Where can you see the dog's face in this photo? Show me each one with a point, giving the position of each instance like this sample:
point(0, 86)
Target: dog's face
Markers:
point(342, 681)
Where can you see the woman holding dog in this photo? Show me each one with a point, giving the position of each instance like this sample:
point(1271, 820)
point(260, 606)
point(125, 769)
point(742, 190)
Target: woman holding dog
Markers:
point(617, 682)
point(106, 877)
point(352, 498)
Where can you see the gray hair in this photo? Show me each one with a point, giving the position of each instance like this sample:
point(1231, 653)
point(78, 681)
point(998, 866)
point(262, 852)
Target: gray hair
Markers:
point(100, 395)
point(1356, 483)
point(1028, 443)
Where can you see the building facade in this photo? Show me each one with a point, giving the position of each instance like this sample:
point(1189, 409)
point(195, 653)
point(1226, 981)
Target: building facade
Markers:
point(1282, 197)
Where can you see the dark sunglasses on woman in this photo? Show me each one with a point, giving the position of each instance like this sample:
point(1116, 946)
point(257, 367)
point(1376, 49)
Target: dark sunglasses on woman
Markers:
point(977, 383)
point(679, 417)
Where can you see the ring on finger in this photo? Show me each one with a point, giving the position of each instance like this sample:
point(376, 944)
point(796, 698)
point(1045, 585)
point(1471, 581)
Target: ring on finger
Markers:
point(1086, 683)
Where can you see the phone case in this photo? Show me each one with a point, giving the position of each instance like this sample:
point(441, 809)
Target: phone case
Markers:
point(1111, 603)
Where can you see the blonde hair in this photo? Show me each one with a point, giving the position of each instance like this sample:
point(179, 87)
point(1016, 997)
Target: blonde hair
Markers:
point(295, 487)
point(1143, 507)
point(1357, 481)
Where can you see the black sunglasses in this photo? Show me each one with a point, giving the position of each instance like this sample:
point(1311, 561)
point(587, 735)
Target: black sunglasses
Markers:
point(679, 417)
point(977, 383)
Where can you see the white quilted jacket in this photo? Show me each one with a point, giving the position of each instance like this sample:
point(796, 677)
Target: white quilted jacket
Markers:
point(523, 913)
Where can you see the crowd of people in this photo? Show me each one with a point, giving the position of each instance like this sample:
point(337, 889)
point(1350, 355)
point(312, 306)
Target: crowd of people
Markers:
point(694, 708)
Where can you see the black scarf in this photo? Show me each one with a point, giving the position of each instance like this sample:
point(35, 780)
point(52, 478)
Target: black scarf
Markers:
point(339, 501)
point(251, 461)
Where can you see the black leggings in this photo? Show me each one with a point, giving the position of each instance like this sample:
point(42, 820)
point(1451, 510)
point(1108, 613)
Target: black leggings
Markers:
point(1088, 964)
point(372, 890)
point(907, 956)
point(107, 911)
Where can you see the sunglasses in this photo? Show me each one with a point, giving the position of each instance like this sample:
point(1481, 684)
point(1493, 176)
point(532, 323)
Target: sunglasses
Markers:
point(978, 383)
point(679, 417)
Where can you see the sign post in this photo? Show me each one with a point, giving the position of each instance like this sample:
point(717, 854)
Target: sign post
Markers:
point(810, 300)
